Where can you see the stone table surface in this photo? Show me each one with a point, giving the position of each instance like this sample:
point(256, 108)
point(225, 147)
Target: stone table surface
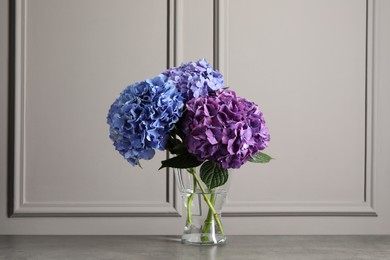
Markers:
point(169, 247)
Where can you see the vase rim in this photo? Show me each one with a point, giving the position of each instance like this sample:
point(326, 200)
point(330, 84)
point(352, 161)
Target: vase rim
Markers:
point(198, 191)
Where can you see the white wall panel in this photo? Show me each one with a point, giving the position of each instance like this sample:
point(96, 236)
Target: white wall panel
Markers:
point(304, 62)
point(73, 58)
point(199, 29)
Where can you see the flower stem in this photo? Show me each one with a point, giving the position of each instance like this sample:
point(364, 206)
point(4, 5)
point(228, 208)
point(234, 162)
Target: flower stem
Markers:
point(189, 201)
point(209, 220)
point(211, 206)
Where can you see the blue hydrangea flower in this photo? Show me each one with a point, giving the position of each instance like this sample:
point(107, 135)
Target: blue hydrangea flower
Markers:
point(142, 116)
point(195, 79)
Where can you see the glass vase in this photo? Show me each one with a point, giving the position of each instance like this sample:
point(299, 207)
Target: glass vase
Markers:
point(203, 209)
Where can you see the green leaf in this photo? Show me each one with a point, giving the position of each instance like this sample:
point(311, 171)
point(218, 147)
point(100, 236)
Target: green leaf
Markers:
point(179, 149)
point(213, 175)
point(182, 161)
point(139, 165)
point(177, 131)
point(260, 158)
point(172, 142)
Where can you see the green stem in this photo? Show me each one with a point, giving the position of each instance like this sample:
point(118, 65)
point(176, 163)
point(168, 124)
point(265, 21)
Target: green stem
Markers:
point(211, 207)
point(189, 201)
point(209, 220)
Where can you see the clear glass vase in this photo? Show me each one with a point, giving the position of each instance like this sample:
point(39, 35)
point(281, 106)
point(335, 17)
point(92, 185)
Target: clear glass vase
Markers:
point(203, 209)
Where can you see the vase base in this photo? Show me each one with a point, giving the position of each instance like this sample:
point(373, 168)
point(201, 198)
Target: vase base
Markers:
point(203, 239)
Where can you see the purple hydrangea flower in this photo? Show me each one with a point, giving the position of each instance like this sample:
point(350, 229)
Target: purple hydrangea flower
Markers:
point(195, 79)
point(142, 116)
point(224, 129)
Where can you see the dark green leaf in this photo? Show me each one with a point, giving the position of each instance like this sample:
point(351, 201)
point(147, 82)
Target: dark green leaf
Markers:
point(172, 142)
point(179, 133)
point(139, 165)
point(213, 175)
point(182, 161)
point(260, 158)
point(179, 149)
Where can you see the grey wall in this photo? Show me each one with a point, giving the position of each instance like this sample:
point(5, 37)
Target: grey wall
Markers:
point(318, 69)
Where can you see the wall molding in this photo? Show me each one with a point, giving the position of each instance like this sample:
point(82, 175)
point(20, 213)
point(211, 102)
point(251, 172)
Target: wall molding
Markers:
point(257, 208)
point(297, 208)
point(18, 204)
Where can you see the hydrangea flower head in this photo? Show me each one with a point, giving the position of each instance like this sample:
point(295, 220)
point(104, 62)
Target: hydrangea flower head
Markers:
point(195, 79)
point(142, 117)
point(224, 129)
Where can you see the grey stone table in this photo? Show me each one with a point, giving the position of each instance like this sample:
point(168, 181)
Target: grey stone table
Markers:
point(169, 247)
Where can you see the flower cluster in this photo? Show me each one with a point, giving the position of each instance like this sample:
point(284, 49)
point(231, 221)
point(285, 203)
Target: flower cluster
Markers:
point(218, 126)
point(142, 117)
point(195, 79)
point(224, 129)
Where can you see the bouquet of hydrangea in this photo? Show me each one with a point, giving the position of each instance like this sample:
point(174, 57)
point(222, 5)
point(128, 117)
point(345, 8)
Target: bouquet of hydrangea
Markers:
point(188, 111)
